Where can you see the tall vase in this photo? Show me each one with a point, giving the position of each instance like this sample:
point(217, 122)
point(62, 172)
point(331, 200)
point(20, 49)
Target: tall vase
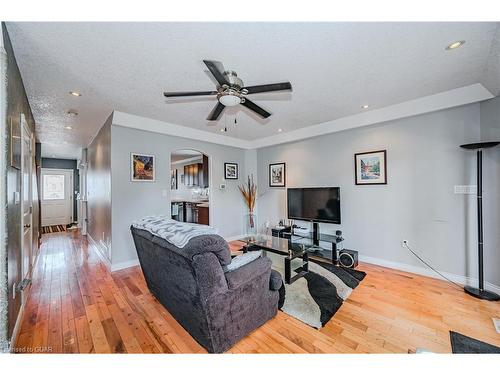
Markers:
point(251, 224)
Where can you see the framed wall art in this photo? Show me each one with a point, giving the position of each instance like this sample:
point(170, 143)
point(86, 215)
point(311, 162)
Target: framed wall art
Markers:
point(371, 168)
point(277, 175)
point(142, 167)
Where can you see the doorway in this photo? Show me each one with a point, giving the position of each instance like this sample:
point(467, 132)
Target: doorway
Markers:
point(57, 197)
point(190, 186)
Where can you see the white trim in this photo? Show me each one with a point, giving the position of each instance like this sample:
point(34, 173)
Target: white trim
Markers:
point(17, 325)
point(448, 99)
point(99, 250)
point(123, 265)
point(459, 279)
point(162, 127)
point(194, 158)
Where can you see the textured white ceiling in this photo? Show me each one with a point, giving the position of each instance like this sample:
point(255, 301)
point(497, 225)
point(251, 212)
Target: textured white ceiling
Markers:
point(61, 151)
point(334, 69)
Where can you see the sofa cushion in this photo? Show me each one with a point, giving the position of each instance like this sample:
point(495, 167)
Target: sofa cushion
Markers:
point(241, 260)
point(246, 273)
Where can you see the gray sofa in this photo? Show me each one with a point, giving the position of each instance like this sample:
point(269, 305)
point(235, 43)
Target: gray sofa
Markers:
point(217, 308)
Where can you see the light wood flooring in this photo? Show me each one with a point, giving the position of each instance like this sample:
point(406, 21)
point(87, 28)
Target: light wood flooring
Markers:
point(76, 305)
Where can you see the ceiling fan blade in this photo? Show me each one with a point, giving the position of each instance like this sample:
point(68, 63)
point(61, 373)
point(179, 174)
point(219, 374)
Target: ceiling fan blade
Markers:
point(271, 87)
point(217, 70)
point(254, 107)
point(169, 94)
point(216, 112)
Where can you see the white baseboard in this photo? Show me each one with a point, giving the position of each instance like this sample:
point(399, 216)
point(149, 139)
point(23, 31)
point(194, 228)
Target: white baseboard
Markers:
point(123, 265)
point(459, 279)
point(17, 325)
point(99, 250)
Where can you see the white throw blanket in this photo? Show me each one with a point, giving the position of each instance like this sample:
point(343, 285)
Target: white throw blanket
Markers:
point(175, 232)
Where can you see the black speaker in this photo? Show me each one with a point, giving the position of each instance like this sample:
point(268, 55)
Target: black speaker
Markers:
point(348, 258)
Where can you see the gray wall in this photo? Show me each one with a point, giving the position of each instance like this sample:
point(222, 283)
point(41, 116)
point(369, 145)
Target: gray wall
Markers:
point(418, 203)
point(17, 103)
point(133, 200)
point(66, 164)
point(490, 131)
point(99, 188)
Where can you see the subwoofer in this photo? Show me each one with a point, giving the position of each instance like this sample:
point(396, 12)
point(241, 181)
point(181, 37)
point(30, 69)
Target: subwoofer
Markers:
point(348, 258)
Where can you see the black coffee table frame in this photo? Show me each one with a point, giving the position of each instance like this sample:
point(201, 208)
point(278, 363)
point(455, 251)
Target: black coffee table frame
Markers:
point(293, 252)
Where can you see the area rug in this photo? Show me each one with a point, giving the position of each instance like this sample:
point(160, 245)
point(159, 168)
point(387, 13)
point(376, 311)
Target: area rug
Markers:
point(53, 229)
point(461, 344)
point(316, 297)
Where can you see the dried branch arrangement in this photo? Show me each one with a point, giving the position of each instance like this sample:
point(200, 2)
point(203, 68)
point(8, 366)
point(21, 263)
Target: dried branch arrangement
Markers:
point(249, 193)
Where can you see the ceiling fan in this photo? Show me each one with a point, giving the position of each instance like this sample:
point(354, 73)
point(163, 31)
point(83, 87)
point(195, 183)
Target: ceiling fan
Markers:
point(231, 91)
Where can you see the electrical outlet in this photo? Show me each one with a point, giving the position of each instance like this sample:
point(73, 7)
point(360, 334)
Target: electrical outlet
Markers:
point(465, 189)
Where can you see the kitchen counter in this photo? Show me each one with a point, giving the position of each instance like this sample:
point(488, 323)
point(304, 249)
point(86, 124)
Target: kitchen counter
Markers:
point(205, 204)
point(174, 200)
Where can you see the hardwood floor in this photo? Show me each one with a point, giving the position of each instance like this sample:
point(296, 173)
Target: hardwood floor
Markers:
point(77, 306)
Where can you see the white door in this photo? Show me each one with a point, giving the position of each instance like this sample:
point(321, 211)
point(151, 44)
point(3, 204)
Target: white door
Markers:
point(57, 196)
point(26, 201)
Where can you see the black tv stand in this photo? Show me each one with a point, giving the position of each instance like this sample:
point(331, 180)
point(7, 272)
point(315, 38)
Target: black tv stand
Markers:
point(315, 233)
point(328, 252)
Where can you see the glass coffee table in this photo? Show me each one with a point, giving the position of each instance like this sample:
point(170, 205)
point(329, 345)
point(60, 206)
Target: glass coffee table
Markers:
point(290, 249)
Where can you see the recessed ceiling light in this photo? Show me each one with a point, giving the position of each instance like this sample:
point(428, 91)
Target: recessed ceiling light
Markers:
point(455, 45)
point(72, 112)
point(53, 156)
point(365, 106)
point(75, 93)
point(68, 127)
point(65, 142)
point(280, 130)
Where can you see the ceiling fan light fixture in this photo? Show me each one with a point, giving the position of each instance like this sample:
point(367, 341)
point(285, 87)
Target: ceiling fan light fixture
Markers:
point(229, 100)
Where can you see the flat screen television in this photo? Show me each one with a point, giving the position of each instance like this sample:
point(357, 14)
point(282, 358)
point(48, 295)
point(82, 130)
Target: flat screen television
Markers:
point(321, 204)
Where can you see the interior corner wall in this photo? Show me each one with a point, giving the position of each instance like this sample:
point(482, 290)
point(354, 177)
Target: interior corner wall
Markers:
point(134, 200)
point(418, 203)
point(490, 131)
point(99, 189)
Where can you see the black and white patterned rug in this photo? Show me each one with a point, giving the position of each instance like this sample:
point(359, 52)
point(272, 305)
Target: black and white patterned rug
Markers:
point(316, 297)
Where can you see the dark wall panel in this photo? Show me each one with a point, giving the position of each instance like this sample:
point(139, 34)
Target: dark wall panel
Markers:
point(17, 104)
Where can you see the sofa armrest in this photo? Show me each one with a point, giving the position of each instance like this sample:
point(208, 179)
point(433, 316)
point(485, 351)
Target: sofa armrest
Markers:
point(248, 272)
point(276, 280)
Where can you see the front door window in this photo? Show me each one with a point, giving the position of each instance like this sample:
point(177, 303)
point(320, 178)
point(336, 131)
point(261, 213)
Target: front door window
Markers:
point(53, 186)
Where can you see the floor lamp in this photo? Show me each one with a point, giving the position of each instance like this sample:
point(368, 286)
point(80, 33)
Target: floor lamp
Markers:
point(480, 292)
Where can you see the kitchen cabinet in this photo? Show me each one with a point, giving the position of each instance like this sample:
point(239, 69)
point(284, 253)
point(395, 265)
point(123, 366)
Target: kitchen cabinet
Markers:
point(203, 215)
point(196, 175)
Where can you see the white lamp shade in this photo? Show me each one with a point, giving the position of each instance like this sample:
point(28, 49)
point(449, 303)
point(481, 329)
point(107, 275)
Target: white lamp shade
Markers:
point(230, 100)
